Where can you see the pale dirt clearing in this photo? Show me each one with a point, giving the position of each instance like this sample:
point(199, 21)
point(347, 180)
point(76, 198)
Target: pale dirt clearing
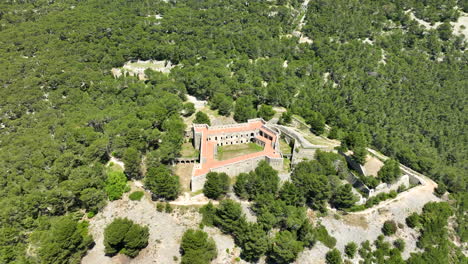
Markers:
point(372, 165)
point(166, 231)
point(366, 225)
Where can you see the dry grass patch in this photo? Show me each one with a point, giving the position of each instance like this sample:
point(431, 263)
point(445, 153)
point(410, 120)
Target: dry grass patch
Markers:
point(232, 151)
point(356, 220)
point(184, 171)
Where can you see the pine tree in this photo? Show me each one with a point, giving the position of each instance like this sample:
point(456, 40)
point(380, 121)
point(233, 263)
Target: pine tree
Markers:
point(197, 248)
point(162, 183)
point(216, 185)
point(344, 197)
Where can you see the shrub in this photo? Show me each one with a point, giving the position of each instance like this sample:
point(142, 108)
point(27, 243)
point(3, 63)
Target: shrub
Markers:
point(202, 118)
point(116, 185)
point(399, 244)
point(160, 207)
point(136, 196)
point(350, 249)
point(322, 235)
point(413, 220)
point(197, 247)
point(124, 236)
point(389, 228)
point(333, 257)
point(168, 208)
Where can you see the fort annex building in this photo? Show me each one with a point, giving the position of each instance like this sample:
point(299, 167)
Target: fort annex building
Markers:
point(207, 139)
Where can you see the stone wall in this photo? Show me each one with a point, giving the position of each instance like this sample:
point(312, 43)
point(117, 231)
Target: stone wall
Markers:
point(236, 168)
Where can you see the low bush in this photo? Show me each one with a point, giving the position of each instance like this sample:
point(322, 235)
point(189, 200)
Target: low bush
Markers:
point(136, 196)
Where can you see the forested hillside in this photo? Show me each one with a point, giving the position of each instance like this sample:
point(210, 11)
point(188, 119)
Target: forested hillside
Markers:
point(370, 68)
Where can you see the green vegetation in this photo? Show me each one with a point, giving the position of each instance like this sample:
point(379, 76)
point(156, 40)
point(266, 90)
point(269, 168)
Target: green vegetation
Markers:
point(136, 196)
point(188, 151)
point(333, 257)
point(197, 248)
point(162, 183)
point(236, 150)
point(266, 112)
point(63, 113)
point(188, 109)
point(350, 249)
point(116, 185)
point(62, 240)
point(390, 171)
point(285, 147)
point(124, 236)
point(202, 118)
point(389, 228)
point(216, 185)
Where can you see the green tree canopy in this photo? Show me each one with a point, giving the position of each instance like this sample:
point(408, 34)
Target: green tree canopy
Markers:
point(162, 183)
point(201, 118)
point(196, 247)
point(126, 237)
point(216, 185)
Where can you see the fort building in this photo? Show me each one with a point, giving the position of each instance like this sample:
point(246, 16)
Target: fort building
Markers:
point(207, 139)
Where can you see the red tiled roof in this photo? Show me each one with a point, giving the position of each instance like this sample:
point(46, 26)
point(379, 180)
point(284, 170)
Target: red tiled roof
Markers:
point(207, 148)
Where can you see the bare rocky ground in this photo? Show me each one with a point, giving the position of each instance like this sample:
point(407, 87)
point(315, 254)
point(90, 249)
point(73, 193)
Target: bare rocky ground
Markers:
point(166, 231)
point(366, 225)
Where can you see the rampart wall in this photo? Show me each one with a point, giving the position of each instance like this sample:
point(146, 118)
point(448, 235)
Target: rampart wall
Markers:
point(235, 168)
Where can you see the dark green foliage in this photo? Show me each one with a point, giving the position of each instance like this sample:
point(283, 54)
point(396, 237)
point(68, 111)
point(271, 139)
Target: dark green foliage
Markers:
point(116, 185)
point(266, 112)
point(229, 217)
point(244, 109)
point(253, 241)
point(63, 113)
point(240, 187)
point(162, 183)
point(359, 155)
point(188, 109)
point(390, 171)
point(322, 235)
point(216, 185)
point(285, 118)
point(399, 244)
point(333, 257)
point(263, 180)
point(306, 234)
point(62, 240)
point(316, 121)
point(343, 197)
point(440, 190)
point(223, 103)
point(434, 224)
point(291, 194)
point(136, 196)
point(284, 248)
point(208, 212)
point(389, 228)
point(201, 118)
point(132, 160)
point(316, 188)
point(197, 248)
point(350, 249)
point(124, 236)
point(413, 220)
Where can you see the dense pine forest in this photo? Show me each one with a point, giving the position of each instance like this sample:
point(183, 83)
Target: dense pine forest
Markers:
point(370, 68)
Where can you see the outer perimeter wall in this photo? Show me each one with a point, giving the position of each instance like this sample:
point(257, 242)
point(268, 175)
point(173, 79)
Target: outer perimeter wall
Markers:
point(236, 168)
